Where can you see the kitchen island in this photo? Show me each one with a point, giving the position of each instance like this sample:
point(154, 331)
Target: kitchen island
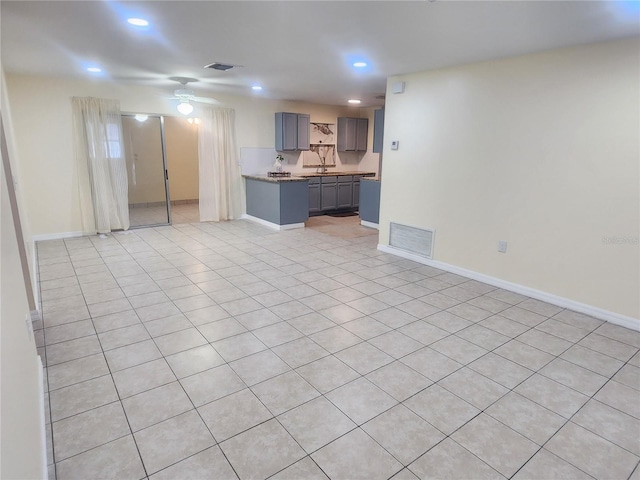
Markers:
point(370, 202)
point(281, 203)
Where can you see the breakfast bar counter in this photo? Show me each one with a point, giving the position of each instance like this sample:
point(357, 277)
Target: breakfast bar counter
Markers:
point(278, 202)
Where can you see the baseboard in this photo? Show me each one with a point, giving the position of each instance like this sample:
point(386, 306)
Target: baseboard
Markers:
point(43, 422)
point(364, 223)
point(596, 312)
point(272, 225)
point(56, 236)
point(35, 279)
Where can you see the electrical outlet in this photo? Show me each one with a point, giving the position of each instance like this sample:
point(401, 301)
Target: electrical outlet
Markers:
point(502, 246)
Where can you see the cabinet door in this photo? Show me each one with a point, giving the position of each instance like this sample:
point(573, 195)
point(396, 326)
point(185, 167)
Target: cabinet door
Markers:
point(347, 131)
point(328, 196)
point(378, 130)
point(303, 131)
point(314, 198)
point(362, 132)
point(356, 193)
point(286, 131)
point(345, 195)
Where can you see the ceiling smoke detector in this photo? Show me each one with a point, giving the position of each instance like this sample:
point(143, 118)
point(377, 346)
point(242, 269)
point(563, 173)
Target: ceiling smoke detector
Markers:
point(221, 66)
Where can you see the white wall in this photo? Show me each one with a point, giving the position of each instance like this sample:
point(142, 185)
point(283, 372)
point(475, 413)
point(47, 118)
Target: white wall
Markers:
point(22, 454)
point(541, 151)
point(42, 120)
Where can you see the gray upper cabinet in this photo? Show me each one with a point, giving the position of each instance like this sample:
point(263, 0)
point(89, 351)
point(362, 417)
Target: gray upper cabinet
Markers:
point(352, 134)
point(378, 130)
point(292, 131)
point(362, 132)
point(303, 131)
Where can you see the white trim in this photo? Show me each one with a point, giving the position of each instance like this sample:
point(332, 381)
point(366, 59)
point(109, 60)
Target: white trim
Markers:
point(274, 226)
point(43, 422)
point(364, 223)
point(602, 314)
point(56, 236)
point(35, 279)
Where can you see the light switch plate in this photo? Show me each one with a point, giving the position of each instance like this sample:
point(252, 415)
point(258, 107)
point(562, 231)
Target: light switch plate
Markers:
point(394, 144)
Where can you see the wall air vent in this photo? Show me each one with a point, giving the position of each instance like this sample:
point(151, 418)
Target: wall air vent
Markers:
point(418, 241)
point(221, 66)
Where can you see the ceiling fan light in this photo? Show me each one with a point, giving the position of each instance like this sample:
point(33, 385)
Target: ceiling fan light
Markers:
point(185, 108)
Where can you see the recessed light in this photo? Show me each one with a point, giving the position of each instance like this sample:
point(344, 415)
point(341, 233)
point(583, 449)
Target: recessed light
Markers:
point(94, 69)
point(138, 22)
point(360, 64)
point(354, 101)
point(256, 88)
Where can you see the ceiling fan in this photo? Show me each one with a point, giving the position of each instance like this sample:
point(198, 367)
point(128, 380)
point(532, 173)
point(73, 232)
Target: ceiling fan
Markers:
point(186, 96)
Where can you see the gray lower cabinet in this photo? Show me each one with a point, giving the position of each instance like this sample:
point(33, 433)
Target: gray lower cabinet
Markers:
point(370, 205)
point(328, 193)
point(281, 203)
point(314, 195)
point(356, 192)
point(334, 192)
point(345, 191)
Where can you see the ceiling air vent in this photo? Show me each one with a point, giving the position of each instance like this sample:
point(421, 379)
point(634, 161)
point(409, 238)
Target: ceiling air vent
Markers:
point(221, 66)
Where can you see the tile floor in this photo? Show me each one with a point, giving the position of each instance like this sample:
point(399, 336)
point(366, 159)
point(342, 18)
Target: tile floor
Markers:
point(223, 351)
point(157, 215)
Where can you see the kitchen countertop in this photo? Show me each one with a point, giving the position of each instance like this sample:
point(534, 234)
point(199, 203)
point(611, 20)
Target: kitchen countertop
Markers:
point(303, 177)
point(334, 174)
point(265, 178)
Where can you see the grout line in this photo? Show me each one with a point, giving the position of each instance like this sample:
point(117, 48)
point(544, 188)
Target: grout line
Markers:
point(273, 280)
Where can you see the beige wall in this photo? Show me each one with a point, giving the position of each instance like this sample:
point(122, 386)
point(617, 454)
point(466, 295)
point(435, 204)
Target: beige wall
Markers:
point(42, 120)
point(541, 151)
point(22, 454)
point(181, 138)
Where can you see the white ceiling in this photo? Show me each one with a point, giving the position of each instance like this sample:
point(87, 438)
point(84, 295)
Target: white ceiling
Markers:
point(297, 50)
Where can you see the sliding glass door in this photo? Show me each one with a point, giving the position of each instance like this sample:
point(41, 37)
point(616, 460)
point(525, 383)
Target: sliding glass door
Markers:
point(147, 170)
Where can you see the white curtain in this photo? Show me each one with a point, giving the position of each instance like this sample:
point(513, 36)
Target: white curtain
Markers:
point(220, 180)
point(101, 164)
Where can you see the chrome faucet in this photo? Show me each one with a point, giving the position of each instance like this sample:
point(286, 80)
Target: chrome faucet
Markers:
point(323, 165)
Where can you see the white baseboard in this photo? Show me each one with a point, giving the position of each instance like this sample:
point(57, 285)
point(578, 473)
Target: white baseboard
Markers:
point(596, 312)
point(43, 422)
point(35, 284)
point(56, 236)
point(364, 223)
point(272, 225)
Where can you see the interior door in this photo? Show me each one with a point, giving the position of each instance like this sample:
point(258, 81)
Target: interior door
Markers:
point(146, 170)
